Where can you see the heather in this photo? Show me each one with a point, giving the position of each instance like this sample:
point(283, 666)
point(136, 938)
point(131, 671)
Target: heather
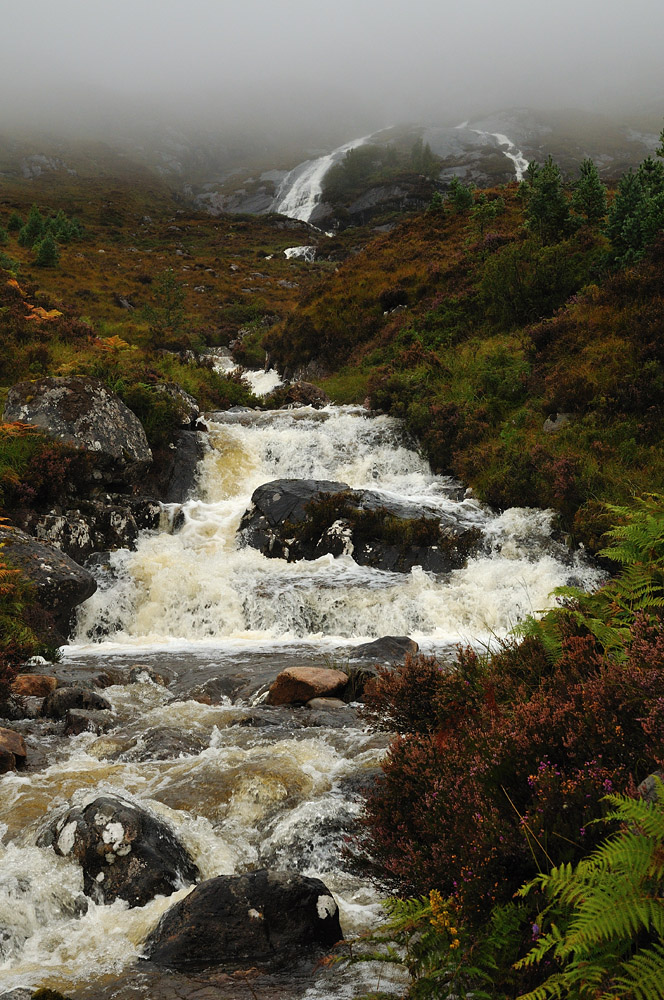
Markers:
point(504, 765)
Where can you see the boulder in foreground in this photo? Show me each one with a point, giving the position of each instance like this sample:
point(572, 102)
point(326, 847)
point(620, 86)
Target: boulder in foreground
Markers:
point(124, 851)
point(260, 917)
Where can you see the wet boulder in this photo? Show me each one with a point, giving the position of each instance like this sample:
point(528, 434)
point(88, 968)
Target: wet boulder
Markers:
point(125, 852)
point(81, 720)
point(34, 685)
point(84, 413)
point(298, 685)
point(65, 699)
point(60, 583)
point(12, 750)
point(387, 649)
point(164, 743)
point(180, 474)
point(258, 918)
point(305, 519)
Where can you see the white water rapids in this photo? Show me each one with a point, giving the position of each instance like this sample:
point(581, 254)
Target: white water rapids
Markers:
point(193, 603)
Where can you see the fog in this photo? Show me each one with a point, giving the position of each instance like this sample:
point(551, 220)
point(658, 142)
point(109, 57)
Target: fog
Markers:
point(323, 66)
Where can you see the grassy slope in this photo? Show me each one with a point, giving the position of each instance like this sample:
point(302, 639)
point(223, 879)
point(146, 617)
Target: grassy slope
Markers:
point(492, 337)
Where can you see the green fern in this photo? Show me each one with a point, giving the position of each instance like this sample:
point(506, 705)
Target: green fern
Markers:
point(606, 915)
point(638, 547)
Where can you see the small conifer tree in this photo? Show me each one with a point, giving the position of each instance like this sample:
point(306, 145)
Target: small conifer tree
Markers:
point(589, 198)
point(34, 228)
point(547, 209)
point(14, 223)
point(46, 252)
point(459, 195)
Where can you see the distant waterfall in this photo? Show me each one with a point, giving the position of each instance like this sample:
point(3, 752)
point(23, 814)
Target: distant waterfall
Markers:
point(301, 189)
point(511, 152)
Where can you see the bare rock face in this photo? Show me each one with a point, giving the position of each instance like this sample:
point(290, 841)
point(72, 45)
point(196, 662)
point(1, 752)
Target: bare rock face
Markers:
point(124, 851)
point(261, 917)
point(82, 412)
point(100, 525)
point(298, 685)
point(60, 583)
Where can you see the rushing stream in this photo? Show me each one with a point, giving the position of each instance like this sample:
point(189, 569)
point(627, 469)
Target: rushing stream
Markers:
point(277, 788)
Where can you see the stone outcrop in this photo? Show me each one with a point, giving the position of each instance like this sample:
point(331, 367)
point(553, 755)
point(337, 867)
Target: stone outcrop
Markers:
point(258, 918)
point(60, 583)
point(298, 685)
point(305, 519)
point(124, 851)
point(82, 412)
point(101, 525)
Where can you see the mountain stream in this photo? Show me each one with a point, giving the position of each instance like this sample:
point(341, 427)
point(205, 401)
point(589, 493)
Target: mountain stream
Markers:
point(277, 788)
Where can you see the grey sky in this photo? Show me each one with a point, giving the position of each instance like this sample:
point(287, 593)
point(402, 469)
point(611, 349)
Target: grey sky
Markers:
point(381, 60)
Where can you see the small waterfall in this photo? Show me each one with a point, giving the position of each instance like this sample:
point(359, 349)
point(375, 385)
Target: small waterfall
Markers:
point(301, 189)
point(511, 152)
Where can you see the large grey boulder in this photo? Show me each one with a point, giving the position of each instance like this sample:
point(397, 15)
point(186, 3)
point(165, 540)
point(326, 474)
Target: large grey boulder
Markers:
point(82, 412)
point(260, 917)
point(60, 583)
point(305, 519)
point(125, 852)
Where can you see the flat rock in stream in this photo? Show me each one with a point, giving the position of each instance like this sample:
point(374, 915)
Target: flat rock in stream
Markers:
point(261, 917)
point(125, 852)
point(307, 518)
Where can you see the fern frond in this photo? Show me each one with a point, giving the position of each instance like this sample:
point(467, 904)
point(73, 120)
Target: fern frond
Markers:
point(643, 975)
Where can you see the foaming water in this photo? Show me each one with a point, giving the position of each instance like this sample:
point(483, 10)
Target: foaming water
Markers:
point(198, 584)
point(279, 791)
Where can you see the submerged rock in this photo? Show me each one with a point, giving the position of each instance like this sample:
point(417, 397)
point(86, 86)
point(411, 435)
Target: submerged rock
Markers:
point(298, 685)
point(259, 917)
point(306, 518)
point(83, 412)
point(124, 851)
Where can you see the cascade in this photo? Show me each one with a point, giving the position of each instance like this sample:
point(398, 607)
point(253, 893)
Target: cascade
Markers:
point(301, 189)
point(191, 603)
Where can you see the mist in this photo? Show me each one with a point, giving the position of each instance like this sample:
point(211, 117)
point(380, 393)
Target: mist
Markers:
point(320, 68)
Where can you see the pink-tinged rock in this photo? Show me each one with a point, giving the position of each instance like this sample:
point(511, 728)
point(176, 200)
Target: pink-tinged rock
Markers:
point(296, 685)
point(12, 750)
point(34, 685)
